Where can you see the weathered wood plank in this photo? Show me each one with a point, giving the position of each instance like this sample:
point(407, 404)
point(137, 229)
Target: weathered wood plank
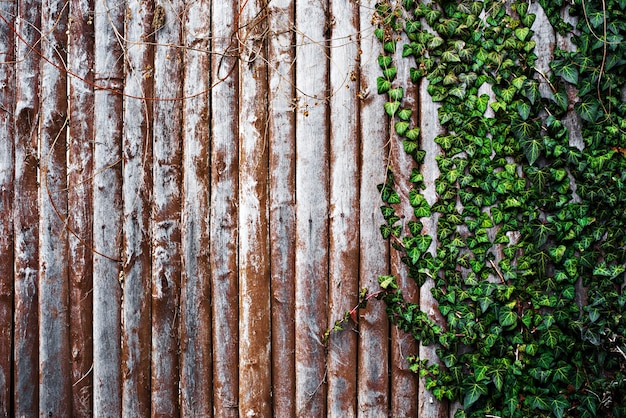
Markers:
point(281, 129)
point(80, 169)
point(254, 273)
point(195, 303)
point(26, 212)
point(107, 208)
point(404, 383)
point(136, 193)
point(430, 128)
point(312, 189)
point(373, 363)
point(54, 351)
point(7, 81)
point(224, 192)
point(166, 238)
point(344, 205)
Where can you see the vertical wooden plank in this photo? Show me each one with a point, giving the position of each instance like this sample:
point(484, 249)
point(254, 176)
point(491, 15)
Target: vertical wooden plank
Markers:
point(195, 357)
point(344, 205)
point(136, 193)
point(373, 380)
point(7, 81)
point(167, 158)
point(26, 212)
point(281, 128)
point(54, 352)
point(224, 192)
point(254, 262)
point(404, 383)
point(80, 170)
point(430, 128)
point(312, 20)
point(107, 208)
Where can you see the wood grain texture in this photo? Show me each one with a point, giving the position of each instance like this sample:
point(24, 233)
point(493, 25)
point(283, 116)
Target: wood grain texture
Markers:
point(254, 263)
point(26, 212)
point(54, 351)
point(224, 217)
point(7, 167)
point(312, 191)
point(196, 396)
point(373, 348)
point(344, 206)
point(107, 208)
point(80, 171)
point(136, 194)
point(281, 137)
point(166, 211)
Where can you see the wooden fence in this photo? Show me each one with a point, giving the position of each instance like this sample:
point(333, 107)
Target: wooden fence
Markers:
point(188, 201)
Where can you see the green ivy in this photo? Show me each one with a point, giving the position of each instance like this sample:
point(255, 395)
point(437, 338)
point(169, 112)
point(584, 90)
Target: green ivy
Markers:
point(531, 233)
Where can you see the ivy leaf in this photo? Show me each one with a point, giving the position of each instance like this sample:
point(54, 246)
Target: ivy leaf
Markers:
point(568, 71)
point(507, 318)
point(401, 127)
point(558, 405)
point(396, 94)
point(473, 392)
point(387, 282)
point(413, 134)
point(391, 108)
point(523, 109)
point(497, 377)
point(416, 199)
point(537, 402)
point(384, 61)
point(522, 33)
point(532, 149)
point(383, 85)
point(390, 73)
point(588, 110)
point(405, 114)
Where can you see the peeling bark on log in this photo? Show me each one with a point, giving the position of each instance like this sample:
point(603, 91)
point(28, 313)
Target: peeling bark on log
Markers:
point(107, 206)
point(54, 351)
point(224, 192)
point(166, 238)
point(195, 303)
point(26, 213)
point(254, 261)
point(7, 101)
point(312, 189)
point(281, 132)
point(344, 214)
point(136, 193)
point(373, 363)
point(80, 171)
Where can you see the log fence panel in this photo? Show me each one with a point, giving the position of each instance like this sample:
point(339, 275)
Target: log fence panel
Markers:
point(188, 202)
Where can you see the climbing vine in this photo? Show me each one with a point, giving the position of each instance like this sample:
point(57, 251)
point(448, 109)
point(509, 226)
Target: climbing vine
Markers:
point(531, 228)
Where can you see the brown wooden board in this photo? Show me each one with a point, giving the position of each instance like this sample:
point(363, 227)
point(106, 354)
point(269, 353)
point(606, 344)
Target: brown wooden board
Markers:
point(373, 349)
point(166, 211)
point(196, 364)
point(107, 209)
point(312, 190)
point(80, 170)
point(54, 351)
point(224, 217)
point(344, 206)
point(281, 130)
point(136, 193)
point(254, 263)
point(7, 167)
point(26, 211)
